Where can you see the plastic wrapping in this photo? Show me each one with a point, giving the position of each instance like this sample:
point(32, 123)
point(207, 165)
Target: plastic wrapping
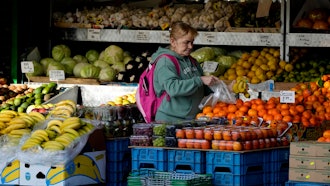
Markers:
point(8, 150)
point(220, 93)
point(53, 158)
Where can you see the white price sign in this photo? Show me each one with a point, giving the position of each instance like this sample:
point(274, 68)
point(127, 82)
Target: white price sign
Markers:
point(27, 67)
point(143, 36)
point(56, 75)
point(287, 96)
point(210, 66)
point(209, 38)
point(165, 37)
point(94, 34)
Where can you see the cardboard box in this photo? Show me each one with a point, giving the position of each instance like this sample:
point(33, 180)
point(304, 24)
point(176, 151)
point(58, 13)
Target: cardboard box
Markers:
point(306, 175)
point(310, 148)
point(10, 173)
point(309, 162)
point(298, 132)
point(86, 168)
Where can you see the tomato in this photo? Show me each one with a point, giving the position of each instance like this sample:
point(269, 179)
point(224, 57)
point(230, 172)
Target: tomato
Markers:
point(190, 143)
point(199, 133)
point(237, 146)
point(229, 145)
point(208, 134)
point(222, 145)
point(189, 133)
point(247, 145)
point(226, 134)
point(197, 144)
point(217, 134)
point(206, 144)
point(182, 143)
point(180, 134)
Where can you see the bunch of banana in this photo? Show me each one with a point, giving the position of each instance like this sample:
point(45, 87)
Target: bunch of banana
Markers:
point(63, 109)
point(123, 100)
point(58, 134)
point(240, 86)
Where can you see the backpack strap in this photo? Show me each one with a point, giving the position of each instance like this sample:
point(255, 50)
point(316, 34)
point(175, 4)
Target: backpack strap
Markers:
point(172, 58)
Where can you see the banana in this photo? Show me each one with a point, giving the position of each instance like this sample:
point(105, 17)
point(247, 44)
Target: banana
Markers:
point(28, 120)
point(82, 131)
point(51, 133)
point(14, 126)
point(65, 107)
point(38, 115)
point(52, 145)
point(16, 136)
point(60, 113)
point(2, 125)
point(65, 102)
point(90, 126)
point(69, 121)
point(41, 133)
point(75, 126)
point(29, 143)
point(65, 140)
point(37, 137)
point(5, 119)
point(10, 112)
point(4, 115)
point(235, 88)
point(240, 86)
point(71, 131)
point(20, 132)
point(54, 122)
point(16, 120)
point(56, 129)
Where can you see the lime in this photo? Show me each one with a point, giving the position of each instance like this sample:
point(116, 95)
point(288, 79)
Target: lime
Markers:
point(25, 105)
point(38, 101)
point(17, 101)
point(38, 95)
point(20, 109)
point(38, 90)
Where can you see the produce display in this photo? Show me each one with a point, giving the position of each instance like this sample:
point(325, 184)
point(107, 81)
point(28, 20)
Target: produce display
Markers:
point(317, 19)
point(20, 97)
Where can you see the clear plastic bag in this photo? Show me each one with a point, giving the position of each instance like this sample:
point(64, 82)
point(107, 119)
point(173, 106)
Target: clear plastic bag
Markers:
point(220, 93)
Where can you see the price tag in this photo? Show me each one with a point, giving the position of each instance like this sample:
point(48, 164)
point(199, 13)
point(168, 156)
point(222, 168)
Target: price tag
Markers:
point(263, 8)
point(209, 38)
point(265, 40)
point(94, 34)
point(302, 40)
point(27, 67)
point(287, 96)
point(56, 75)
point(143, 36)
point(210, 66)
point(165, 37)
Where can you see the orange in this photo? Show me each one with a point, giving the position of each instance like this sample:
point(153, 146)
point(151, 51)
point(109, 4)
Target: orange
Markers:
point(300, 108)
point(262, 112)
point(278, 117)
point(216, 110)
point(285, 112)
point(199, 115)
point(239, 102)
point(239, 113)
point(232, 108)
point(253, 112)
point(270, 106)
point(307, 114)
point(287, 118)
point(243, 108)
point(207, 109)
point(326, 133)
point(321, 139)
point(222, 113)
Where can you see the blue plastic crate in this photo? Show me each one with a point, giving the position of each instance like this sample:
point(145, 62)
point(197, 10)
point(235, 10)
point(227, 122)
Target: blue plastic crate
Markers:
point(149, 154)
point(119, 156)
point(280, 154)
point(152, 165)
point(298, 183)
point(187, 160)
point(117, 145)
point(120, 176)
point(120, 166)
point(124, 183)
point(278, 177)
point(277, 166)
point(234, 163)
point(228, 179)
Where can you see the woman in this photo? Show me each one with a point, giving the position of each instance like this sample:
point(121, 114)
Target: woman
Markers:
point(187, 89)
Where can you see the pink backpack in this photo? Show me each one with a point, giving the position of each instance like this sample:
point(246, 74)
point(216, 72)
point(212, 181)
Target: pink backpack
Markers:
point(146, 98)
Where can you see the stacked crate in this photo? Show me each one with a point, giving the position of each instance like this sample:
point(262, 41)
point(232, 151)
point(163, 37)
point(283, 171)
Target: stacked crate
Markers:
point(309, 164)
point(277, 168)
point(118, 161)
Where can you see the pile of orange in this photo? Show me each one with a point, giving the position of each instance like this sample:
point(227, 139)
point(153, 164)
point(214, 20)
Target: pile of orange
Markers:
point(325, 137)
point(311, 107)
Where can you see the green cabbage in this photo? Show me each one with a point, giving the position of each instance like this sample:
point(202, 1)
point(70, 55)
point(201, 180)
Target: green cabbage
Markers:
point(90, 71)
point(219, 51)
point(68, 64)
point(45, 62)
point(92, 55)
point(101, 64)
point(119, 66)
point(203, 54)
point(226, 61)
point(236, 53)
point(107, 74)
point(77, 68)
point(54, 66)
point(80, 58)
point(112, 54)
point(60, 51)
point(38, 69)
point(127, 59)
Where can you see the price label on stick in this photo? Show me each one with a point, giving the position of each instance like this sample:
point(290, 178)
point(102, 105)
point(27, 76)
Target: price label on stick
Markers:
point(56, 75)
point(287, 96)
point(27, 67)
point(210, 66)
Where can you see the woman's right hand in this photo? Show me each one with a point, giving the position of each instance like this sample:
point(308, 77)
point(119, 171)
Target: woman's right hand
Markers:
point(209, 80)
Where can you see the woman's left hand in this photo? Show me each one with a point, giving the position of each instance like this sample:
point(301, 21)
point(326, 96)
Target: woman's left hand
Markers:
point(209, 80)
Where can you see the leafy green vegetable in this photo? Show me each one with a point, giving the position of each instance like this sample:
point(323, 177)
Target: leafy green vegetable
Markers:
point(92, 55)
point(226, 61)
point(203, 54)
point(68, 64)
point(100, 63)
point(77, 68)
point(107, 74)
point(60, 51)
point(54, 66)
point(38, 69)
point(90, 71)
point(113, 54)
point(45, 62)
point(80, 58)
point(219, 51)
point(119, 66)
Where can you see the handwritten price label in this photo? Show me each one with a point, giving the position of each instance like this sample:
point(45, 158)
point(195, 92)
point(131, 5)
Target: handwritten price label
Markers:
point(287, 96)
point(93, 34)
point(209, 38)
point(143, 36)
point(27, 67)
point(56, 75)
point(165, 37)
point(210, 66)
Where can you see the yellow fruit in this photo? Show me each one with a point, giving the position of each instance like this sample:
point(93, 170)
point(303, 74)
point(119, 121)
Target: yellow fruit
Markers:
point(273, 67)
point(259, 71)
point(251, 59)
point(254, 67)
point(245, 56)
point(279, 71)
point(240, 72)
point(288, 67)
point(264, 67)
point(250, 74)
point(247, 65)
point(277, 54)
point(262, 77)
point(231, 71)
point(258, 62)
point(232, 77)
point(265, 49)
point(282, 64)
point(255, 80)
point(263, 53)
point(269, 74)
point(255, 53)
point(271, 50)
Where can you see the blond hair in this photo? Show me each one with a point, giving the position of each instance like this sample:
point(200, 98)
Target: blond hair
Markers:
point(179, 29)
